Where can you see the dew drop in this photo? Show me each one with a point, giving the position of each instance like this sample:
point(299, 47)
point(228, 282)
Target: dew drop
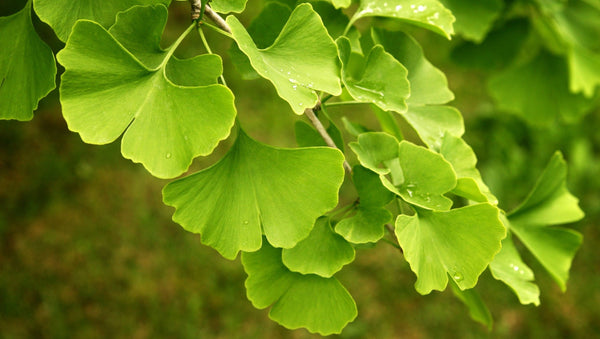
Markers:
point(295, 87)
point(516, 268)
point(457, 276)
point(168, 155)
point(399, 7)
point(245, 222)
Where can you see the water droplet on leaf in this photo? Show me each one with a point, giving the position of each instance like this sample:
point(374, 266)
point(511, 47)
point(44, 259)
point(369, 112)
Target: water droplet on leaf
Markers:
point(457, 276)
point(168, 155)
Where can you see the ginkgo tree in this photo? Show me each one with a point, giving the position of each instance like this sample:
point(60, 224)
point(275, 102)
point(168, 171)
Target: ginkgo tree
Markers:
point(280, 207)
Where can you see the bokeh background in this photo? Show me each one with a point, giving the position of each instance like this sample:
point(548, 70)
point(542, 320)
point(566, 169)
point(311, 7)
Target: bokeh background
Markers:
point(88, 250)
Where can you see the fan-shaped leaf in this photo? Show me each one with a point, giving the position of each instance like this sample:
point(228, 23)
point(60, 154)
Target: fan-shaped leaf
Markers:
point(61, 15)
point(226, 6)
point(430, 14)
point(381, 80)
point(508, 267)
point(256, 189)
point(549, 203)
point(319, 304)
point(106, 90)
point(474, 18)
point(460, 243)
point(27, 67)
point(302, 60)
point(322, 253)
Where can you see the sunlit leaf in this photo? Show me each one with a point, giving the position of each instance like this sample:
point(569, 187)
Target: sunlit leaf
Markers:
point(549, 203)
point(318, 304)
point(417, 174)
point(27, 67)
point(381, 80)
point(106, 91)
point(428, 85)
point(61, 15)
point(460, 243)
point(257, 189)
point(470, 184)
point(323, 252)
point(474, 18)
point(301, 61)
point(226, 6)
point(430, 14)
point(508, 267)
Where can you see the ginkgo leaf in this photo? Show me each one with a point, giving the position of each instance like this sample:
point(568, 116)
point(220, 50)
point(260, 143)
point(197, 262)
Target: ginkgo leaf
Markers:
point(549, 203)
point(302, 60)
point(227, 6)
point(320, 305)
point(470, 184)
point(433, 122)
point(508, 267)
point(381, 79)
point(460, 243)
point(366, 225)
point(61, 15)
point(428, 85)
point(584, 71)
point(538, 91)
point(477, 308)
point(27, 67)
point(257, 189)
point(263, 30)
point(429, 14)
point(418, 175)
point(106, 91)
point(323, 252)
point(474, 18)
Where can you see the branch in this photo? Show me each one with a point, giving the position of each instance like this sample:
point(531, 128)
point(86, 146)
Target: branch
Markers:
point(323, 132)
point(216, 18)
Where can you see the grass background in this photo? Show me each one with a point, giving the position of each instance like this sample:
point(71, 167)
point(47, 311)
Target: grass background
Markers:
point(88, 250)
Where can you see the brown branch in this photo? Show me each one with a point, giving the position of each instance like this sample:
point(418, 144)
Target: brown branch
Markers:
point(217, 19)
point(393, 234)
point(310, 113)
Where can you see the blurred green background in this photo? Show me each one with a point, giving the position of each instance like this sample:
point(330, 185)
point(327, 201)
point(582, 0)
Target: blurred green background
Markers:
point(88, 250)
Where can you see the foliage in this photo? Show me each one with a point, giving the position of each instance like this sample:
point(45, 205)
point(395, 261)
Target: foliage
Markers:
point(279, 206)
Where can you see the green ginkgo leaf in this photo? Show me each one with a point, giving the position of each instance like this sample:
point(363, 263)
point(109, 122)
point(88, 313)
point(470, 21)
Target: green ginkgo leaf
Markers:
point(106, 91)
point(365, 226)
point(433, 122)
point(381, 79)
point(368, 223)
point(307, 136)
point(318, 304)
point(418, 175)
point(61, 15)
point(27, 67)
point(254, 190)
point(340, 3)
point(428, 85)
point(263, 30)
point(323, 252)
point(302, 60)
point(429, 14)
point(584, 70)
point(459, 243)
point(474, 18)
point(508, 267)
point(469, 184)
point(227, 6)
point(538, 91)
point(549, 203)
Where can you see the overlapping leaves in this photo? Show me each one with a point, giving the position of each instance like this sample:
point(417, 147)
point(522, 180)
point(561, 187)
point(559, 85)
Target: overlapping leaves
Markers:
point(27, 67)
point(61, 15)
point(319, 304)
point(254, 190)
point(459, 243)
point(301, 61)
point(110, 87)
point(405, 162)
